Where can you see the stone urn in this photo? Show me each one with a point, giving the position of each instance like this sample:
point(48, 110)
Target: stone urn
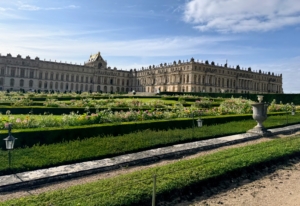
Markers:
point(260, 115)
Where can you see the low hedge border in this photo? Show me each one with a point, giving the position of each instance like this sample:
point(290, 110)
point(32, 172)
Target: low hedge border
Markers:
point(30, 137)
point(63, 110)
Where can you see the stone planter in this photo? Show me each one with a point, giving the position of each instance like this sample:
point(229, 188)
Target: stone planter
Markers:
point(260, 115)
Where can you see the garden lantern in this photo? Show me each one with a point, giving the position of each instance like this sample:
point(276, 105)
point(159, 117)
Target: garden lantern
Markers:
point(293, 108)
point(9, 142)
point(199, 122)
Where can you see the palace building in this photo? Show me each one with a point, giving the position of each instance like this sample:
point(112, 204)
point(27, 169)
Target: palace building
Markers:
point(17, 73)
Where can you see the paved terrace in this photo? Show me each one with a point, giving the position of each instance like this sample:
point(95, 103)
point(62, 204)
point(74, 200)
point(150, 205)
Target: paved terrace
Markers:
point(42, 176)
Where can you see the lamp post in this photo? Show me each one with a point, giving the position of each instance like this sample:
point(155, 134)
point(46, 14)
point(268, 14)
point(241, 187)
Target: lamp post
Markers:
point(199, 122)
point(9, 142)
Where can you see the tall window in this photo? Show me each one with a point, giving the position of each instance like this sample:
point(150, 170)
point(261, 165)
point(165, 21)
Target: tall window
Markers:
point(2, 71)
point(40, 75)
point(51, 76)
point(87, 80)
point(12, 82)
point(1, 81)
point(46, 75)
point(45, 85)
point(67, 77)
point(31, 73)
point(13, 72)
point(22, 72)
point(57, 75)
point(72, 78)
point(62, 77)
point(30, 83)
point(21, 83)
point(40, 84)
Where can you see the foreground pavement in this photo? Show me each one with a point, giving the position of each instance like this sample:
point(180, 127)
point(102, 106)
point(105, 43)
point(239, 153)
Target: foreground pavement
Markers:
point(43, 176)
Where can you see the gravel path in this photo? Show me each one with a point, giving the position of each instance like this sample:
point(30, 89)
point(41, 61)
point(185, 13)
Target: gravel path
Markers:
point(278, 188)
point(68, 183)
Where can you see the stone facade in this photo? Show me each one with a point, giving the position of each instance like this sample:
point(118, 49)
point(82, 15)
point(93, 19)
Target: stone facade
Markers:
point(191, 76)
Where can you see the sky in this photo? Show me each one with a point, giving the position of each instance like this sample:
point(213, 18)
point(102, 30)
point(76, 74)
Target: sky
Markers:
point(263, 35)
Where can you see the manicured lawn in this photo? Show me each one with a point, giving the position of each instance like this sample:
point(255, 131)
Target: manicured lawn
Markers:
point(41, 156)
point(136, 188)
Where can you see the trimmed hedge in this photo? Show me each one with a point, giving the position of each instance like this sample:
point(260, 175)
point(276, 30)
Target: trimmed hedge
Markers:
point(30, 137)
point(64, 110)
point(285, 98)
point(92, 97)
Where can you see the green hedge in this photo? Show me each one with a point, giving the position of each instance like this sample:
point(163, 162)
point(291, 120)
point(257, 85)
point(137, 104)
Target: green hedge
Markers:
point(92, 97)
point(63, 110)
point(30, 137)
point(285, 98)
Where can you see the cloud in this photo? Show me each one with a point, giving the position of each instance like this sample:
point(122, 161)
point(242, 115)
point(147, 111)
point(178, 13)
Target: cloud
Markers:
point(240, 15)
point(28, 7)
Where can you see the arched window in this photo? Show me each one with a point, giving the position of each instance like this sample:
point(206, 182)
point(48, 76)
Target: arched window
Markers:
point(1, 82)
point(45, 85)
point(30, 83)
point(51, 85)
point(21, 82)
point(98, 88)
point(61, 86)
point(72, 86)
point(40, 84)
point(56, 85)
